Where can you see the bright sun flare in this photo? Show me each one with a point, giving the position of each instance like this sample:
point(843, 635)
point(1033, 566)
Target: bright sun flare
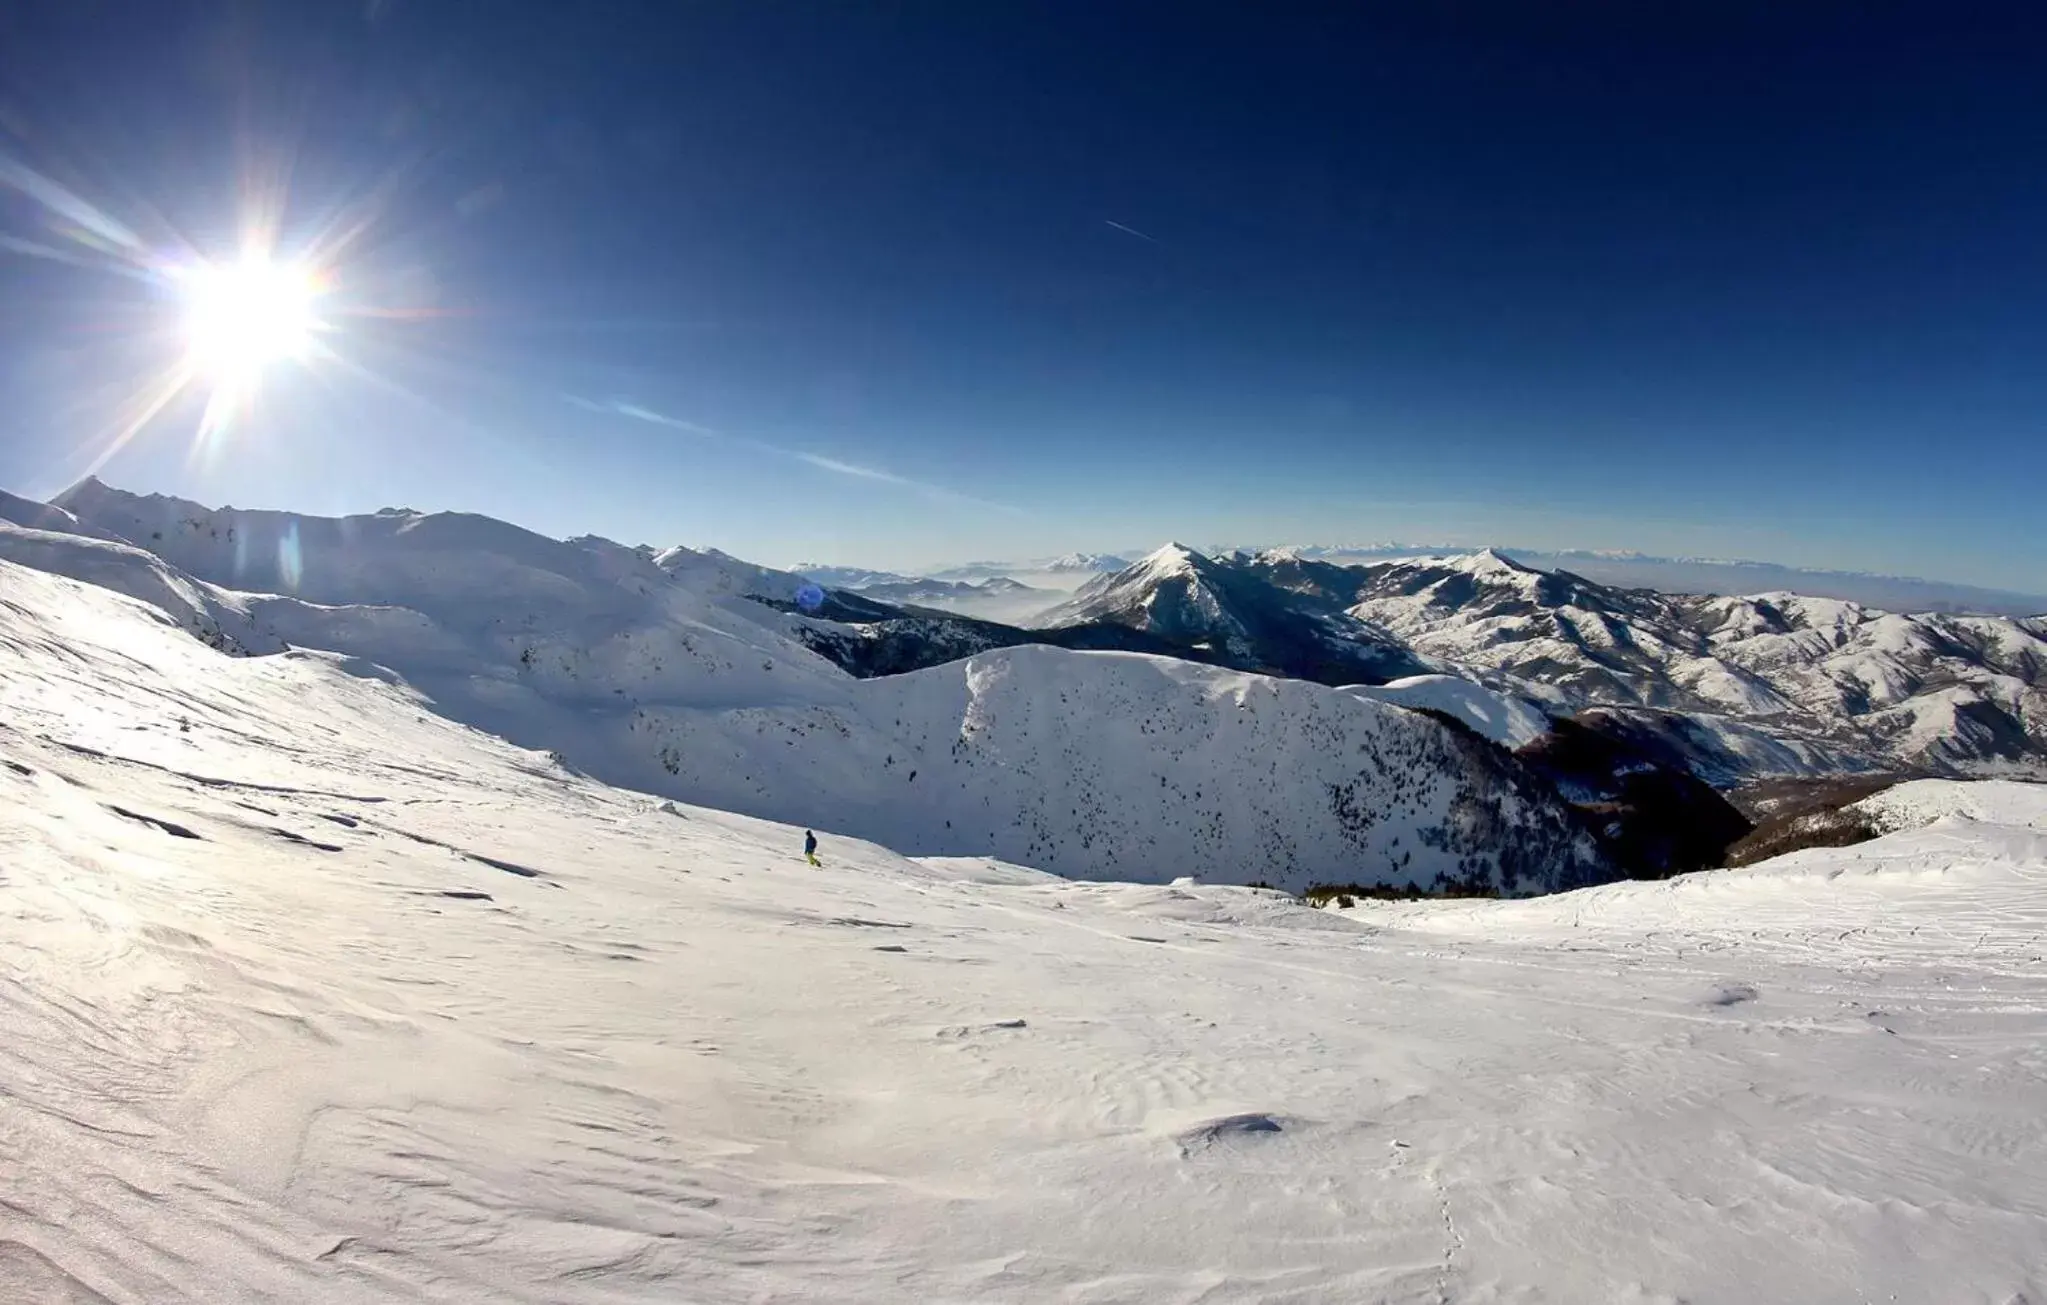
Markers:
point(241, 316)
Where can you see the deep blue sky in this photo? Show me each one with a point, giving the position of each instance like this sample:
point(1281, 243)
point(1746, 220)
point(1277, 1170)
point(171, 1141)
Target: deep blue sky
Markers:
point(1739, 280)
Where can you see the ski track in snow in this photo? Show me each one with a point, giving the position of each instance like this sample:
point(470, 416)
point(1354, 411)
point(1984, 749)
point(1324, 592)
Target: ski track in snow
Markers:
point(334, 1042)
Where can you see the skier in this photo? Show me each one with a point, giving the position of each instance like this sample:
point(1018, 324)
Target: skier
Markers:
point(810, 848)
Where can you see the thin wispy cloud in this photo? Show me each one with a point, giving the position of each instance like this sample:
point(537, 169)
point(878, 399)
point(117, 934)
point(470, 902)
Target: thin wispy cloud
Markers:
point(1128, 231)
point(837, 466)
point(858, 472)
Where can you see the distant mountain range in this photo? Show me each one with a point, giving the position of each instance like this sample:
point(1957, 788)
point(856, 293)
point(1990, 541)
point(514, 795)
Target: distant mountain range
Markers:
point(1583, 716)
point(1627, 569)
point(943, 591)
point(1772, 683)
point(1831, 681)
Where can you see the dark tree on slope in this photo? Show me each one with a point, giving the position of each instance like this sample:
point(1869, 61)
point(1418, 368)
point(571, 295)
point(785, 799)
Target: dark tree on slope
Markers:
point(1654, 819)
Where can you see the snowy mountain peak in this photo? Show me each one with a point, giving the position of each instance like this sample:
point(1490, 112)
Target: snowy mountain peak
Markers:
point(1169, 561)
point(1491, 562)
point(83, 489)
point(1230, 610)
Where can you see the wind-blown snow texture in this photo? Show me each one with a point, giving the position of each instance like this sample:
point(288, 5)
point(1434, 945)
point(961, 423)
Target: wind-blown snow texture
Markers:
point(648, 670)
point(310, 994)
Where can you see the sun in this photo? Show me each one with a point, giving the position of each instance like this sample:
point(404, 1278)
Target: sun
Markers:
point(241, 317)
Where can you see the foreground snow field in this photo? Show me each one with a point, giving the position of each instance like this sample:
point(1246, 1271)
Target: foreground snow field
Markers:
point(307, 994)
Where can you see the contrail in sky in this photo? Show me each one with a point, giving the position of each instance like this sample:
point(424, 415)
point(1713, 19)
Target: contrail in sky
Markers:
point(638, 412)
point(1128, 231)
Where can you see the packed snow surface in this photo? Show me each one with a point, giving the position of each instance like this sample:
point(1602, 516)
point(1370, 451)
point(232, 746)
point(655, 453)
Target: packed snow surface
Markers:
point(309, 994)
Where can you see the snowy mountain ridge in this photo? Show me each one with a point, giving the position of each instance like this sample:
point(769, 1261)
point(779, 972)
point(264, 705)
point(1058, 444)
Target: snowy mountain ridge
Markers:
point(1632, 568)
point(1938, 691)
point(1762, 684)
point(1767, 683)
point(651, 671)
point(1085, 562)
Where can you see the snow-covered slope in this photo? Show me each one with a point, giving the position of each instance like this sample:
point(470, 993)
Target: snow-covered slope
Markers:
point(716, 573)
point(1920, 802)
point(1133, 766)
point(646, 670)
point(309, 994)
point(1501, 717)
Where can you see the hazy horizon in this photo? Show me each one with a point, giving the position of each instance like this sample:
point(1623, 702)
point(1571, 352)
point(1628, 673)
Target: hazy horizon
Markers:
point(1625, 567)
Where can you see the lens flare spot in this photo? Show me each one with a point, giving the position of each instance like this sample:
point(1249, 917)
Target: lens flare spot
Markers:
point(241, 317)
point(290, 565)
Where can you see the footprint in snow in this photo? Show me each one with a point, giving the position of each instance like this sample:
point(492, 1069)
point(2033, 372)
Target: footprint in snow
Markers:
point(1230, 1133)
point(1732, 994)
point(955, 1032)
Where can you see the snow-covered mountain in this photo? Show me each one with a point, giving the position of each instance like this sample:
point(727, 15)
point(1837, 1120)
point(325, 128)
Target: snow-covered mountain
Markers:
point(1705, 575)
point(942, 593)
point(311, 994)
point(1833, 678)
point(651, 670)
point(665, 671)
point(986, 598)
point(1630, 569)
point(1763, 684)
point(849, 577)
point(1231, 609)
point(1621, 568)
point(1089, 562)
point(1076, 565)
